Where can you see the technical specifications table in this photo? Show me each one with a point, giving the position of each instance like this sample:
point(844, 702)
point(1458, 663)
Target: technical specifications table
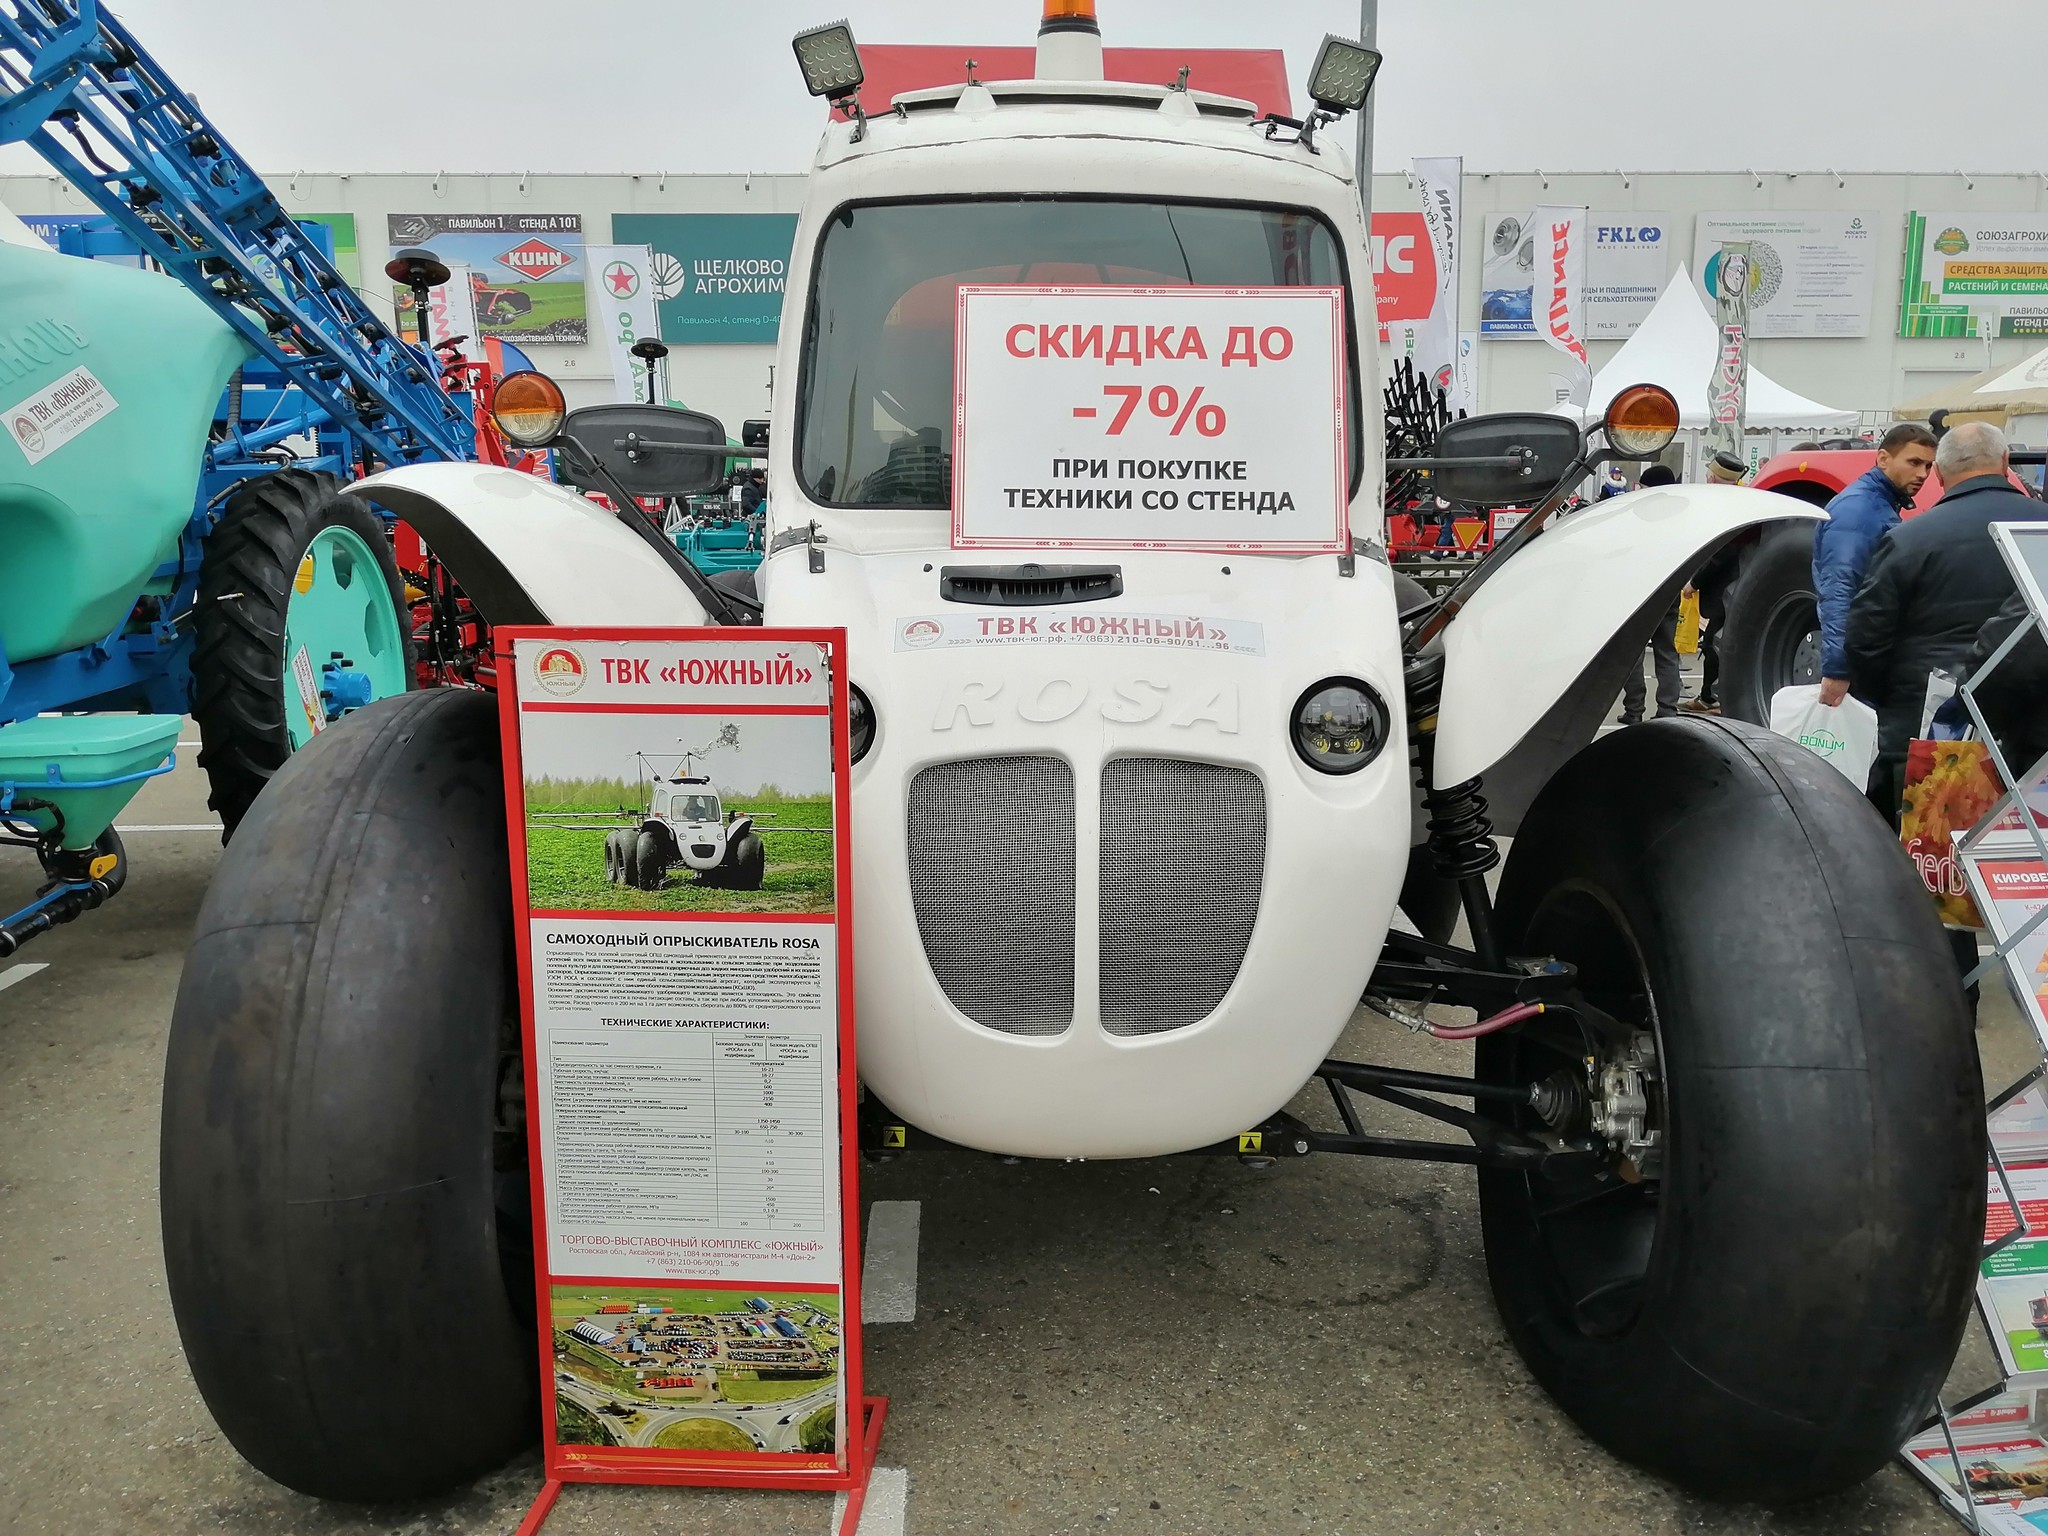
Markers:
point(705, 1132)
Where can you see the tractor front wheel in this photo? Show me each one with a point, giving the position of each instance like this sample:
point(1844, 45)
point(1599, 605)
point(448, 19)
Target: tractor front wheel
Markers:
point(1760, 1297)
point(345, 1223)
point(302, 618)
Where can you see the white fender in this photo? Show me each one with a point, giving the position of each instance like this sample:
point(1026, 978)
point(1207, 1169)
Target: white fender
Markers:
point(528, 552)
point(1532, 632)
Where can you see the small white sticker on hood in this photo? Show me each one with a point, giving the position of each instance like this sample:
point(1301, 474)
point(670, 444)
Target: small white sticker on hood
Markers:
point(1156, 631)
point(52, 417)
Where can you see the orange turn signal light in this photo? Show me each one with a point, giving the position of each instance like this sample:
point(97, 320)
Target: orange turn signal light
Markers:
point(1068, 11)
point(529, 409)
point(1642, 420)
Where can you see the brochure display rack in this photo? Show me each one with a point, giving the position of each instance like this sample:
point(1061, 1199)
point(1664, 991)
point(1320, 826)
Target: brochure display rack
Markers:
point(1987, 1456)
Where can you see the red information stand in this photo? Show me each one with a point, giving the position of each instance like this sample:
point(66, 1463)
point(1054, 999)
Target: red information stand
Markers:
point(677, 807)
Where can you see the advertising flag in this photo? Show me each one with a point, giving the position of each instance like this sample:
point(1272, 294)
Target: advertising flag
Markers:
point(622, 308)
point(1560, 277)
point(1442, 183)
point(1727, 392)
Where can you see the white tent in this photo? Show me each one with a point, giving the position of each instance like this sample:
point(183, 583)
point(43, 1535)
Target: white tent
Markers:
point(1676, 346)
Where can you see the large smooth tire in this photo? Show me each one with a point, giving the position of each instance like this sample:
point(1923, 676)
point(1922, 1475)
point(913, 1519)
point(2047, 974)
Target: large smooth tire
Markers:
point(648, 858)
point(245, 698)
point(332, 1208)
point(1771, 637)
point(748, 866)
point(1771, 1318)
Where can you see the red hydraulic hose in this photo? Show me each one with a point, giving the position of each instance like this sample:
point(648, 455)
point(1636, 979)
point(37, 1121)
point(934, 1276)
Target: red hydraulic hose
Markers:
point(1498, 1022)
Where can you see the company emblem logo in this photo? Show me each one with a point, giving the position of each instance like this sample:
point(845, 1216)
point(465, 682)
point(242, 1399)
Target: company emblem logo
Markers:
point(1952, 242)
point(559, 671)
point(28, 434)
point(621, 280)
point(923, 633)
point(535, 259)
point(1823, 741)
point(671, 277)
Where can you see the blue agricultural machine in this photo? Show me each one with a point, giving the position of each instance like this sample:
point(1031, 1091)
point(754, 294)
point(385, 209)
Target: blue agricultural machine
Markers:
point(172, 537)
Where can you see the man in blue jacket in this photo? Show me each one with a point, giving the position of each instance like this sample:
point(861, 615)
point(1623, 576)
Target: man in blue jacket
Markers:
point(1843, 545)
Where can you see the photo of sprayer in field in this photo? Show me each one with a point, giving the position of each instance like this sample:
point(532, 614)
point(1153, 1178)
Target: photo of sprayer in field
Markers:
point(725, 816)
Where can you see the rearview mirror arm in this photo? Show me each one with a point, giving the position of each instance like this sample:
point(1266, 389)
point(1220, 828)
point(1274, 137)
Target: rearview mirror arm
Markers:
point(1437, 619)
point(724, 607)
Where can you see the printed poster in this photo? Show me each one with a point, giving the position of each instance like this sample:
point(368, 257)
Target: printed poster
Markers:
point(2011, 887)
point(1968, 270)
point(1155, 418)
point(719, 277)
point(1626, 262)
point(527, 270)
point(677, 831)
point(2004, 1462)
point(1810, 274)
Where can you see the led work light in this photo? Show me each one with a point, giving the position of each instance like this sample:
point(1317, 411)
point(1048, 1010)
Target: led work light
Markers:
point(830, 61)
point(1343, 75)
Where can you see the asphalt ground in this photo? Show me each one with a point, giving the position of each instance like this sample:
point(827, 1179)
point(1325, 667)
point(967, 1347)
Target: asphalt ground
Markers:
point(1186, 1345)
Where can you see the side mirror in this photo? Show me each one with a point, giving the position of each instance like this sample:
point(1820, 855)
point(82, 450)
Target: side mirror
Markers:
point(1504, 460)
point(651, 450)
point(754, 434)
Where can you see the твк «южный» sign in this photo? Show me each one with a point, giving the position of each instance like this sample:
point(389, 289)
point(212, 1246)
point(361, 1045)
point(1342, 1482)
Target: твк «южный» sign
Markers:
point(677, 810)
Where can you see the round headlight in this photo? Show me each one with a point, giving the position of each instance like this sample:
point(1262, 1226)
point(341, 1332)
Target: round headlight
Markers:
point(860, 722)
point(1340, 725)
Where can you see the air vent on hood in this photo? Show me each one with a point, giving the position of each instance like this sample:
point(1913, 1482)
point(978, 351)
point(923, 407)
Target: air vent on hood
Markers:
point(1029, 586)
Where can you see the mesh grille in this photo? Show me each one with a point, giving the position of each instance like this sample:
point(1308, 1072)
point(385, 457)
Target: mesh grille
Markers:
point(992, 880)
point(1183, 862)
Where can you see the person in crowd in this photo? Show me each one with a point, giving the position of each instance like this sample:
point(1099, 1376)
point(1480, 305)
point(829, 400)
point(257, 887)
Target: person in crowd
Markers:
point(1842, 546)
point(1937, 423)
point(1932, 585)
point(1613, 483)
point(1711, 587)
point(1663, 640)
point(754, 492)
point(2014, 694)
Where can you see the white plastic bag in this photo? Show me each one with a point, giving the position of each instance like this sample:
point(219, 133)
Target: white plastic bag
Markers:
point(1845, 735)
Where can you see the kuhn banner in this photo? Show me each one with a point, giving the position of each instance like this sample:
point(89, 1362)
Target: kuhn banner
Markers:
point(528, 269)
point(1151, 418)
point(1560, 236)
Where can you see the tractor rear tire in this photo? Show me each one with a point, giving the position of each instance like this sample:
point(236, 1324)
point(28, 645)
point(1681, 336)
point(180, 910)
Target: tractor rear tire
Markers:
point(341, 1191)
point(1771, 1312)
point(1771, 628)
point(614, 864)
point(648, 859)
point(239, 669)
point(748, 866)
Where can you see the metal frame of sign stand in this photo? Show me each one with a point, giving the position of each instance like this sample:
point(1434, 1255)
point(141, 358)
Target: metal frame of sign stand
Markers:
point(1967, 846)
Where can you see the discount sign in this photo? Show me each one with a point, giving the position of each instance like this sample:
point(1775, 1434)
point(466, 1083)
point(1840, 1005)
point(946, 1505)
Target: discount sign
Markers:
point(1151, 418)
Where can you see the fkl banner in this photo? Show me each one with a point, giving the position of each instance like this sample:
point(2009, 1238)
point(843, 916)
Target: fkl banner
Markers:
point(1963, 269)
point(622, 301)
point(1560, 236)
point(1627, 258)
point(719, 277)
point(528, 266)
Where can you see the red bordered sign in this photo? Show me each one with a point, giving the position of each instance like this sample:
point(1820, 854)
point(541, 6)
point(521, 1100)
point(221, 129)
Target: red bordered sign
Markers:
point(677, 808)
point(1191, 418)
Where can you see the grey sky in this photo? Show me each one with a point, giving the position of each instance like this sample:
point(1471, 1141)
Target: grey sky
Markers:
point(792, 752)
point(695, 85)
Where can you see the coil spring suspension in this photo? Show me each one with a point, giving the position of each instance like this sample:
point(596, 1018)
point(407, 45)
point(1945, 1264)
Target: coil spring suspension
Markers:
point(1461, 848)
point(1461, 845)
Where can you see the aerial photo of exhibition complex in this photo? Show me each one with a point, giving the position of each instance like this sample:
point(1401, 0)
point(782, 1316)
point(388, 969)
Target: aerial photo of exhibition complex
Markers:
point(697, 1370)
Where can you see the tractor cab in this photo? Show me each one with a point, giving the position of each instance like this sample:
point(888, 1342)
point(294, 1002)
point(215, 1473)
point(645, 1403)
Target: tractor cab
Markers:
point(689, 802)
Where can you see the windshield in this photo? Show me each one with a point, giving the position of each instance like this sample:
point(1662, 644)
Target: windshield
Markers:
point(876, 413)
point(697, 808)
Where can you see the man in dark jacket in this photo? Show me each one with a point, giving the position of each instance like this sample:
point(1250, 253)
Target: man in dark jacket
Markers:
point(1843, 545)
point(1933, 583)
point(2014, 695)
